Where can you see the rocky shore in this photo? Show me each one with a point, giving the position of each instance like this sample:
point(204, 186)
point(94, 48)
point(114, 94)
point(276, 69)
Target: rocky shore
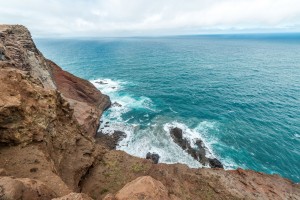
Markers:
point(50, 148)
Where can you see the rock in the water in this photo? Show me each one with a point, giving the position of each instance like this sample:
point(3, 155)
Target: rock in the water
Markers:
point(101, 82)
point(110, 141)
point(176, 134)
point(201, 151)
point(198, 153)
point(215, 163)
point(116, 104)
point(153, 156)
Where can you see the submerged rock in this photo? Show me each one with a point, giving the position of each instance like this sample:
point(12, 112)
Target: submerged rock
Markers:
point(101, 82)
point(153, 156)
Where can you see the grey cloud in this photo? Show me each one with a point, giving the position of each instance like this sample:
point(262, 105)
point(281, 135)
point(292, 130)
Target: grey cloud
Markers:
point(144, 17)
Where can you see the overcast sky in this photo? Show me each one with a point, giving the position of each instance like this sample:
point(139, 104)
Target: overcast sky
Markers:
point(150, 17)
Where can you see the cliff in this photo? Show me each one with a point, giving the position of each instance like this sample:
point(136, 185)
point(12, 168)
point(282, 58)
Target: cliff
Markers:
point(48, 120)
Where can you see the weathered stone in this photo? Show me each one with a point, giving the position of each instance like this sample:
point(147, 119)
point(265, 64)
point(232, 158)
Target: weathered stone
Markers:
point(144, 187)
point(74, 196)
point(24, 188)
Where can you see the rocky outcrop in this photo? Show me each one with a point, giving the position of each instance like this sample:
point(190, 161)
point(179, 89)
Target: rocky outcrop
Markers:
point(153, 156)
point(198, 153)
point(117, 168)
point(23, 188)
point(144, 187)
point(74, 196)
point(47, 148)
point(40, 134)
point(19, 51)
point(87, 102)
point(46, 136)
point(110, 141)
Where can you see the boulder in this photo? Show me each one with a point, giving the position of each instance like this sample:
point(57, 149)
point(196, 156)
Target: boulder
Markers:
point(215, 163)
point(74, 196)
point(24, 188)
point(144, 187)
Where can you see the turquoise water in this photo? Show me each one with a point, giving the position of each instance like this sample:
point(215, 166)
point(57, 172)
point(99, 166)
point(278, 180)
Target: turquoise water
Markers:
point(239, 93)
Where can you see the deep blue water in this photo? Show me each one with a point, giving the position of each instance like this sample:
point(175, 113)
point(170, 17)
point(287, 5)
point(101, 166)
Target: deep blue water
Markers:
point(239, 93)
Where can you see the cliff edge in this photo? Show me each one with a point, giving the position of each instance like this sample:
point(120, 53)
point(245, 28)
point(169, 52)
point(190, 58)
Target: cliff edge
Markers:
point(48, 121)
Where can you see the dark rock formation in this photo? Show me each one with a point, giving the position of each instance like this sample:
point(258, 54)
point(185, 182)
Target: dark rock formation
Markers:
point(176, 134)
point(101, 82)
point(197, 153)
point(153, 156)
point(110, 141)
point(116, 104)
point(214, 163)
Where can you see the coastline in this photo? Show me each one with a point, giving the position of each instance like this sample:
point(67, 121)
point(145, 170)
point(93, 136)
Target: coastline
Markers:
point(48, 122)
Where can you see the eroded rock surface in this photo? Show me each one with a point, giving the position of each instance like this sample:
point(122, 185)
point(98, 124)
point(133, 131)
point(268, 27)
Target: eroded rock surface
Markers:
point(23, 188)
point(117, 168)
point(87, 101)
point(40, 134)
point(74, 196)
point(144, 187)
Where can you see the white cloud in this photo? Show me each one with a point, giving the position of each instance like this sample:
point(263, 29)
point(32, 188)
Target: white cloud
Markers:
point(144, 17)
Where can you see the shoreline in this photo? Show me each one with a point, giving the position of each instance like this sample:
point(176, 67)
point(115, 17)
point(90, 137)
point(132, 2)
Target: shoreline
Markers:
point(48, 123)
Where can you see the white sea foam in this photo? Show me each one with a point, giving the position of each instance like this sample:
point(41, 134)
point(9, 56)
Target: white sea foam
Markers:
point(156, 140)
point(120, 103)
point(192, 135)
point(155, 137)
point(107, 86)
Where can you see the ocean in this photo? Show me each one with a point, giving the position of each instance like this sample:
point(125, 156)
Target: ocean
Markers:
point(240, 94)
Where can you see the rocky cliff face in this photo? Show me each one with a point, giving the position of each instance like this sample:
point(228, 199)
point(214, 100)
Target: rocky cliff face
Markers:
point(42, 136)
point(48, 118)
